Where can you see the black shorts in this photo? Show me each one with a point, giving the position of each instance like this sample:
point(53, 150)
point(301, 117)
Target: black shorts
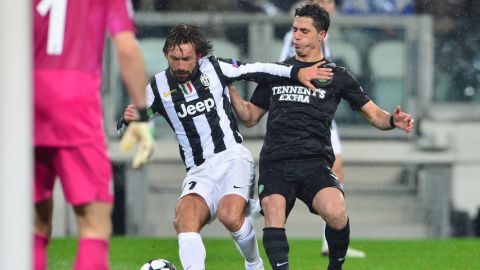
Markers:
point(293, 179)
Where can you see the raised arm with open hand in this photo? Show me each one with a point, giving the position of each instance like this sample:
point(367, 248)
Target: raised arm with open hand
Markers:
point(402, 120)
point(386, 121)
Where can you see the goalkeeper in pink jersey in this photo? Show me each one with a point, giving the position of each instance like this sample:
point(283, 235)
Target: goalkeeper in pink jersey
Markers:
point(69, 140)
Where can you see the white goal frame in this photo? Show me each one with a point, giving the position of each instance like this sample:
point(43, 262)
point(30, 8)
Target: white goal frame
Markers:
point(16, 215)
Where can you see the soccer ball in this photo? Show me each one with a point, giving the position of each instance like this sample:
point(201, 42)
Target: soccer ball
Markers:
point(158, 264)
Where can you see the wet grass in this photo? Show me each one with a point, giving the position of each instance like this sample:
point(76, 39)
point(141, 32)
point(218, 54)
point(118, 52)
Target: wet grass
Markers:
point(131, 253)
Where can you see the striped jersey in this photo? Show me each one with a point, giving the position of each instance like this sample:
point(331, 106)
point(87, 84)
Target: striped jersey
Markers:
point(199, 111)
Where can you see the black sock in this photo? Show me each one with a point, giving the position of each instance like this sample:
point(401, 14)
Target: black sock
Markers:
point(276, 246)
point(338, 241)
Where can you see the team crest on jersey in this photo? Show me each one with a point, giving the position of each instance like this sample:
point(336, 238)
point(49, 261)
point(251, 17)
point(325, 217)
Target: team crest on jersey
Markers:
point(320, 83)
point(204, 80)
point(187, 88)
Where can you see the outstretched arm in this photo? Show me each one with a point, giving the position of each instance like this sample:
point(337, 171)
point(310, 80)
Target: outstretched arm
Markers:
point(248, 113)
point(132, 68)
point(386, 121)
point(234, 71)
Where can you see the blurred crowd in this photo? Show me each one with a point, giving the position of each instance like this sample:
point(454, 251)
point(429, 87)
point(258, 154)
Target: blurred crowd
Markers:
point(457, 46)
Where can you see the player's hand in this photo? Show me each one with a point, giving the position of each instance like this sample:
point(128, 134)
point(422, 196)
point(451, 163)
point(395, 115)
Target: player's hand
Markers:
point(403, 120)
point(130, 114)
point(138, 132)
point(315, 72)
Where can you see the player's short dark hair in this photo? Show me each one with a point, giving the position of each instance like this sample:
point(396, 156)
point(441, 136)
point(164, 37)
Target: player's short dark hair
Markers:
point(320, 17)
point(188, 33)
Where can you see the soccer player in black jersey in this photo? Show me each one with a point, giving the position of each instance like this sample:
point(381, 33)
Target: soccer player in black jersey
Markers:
point(191, 94)
point(296, 158)
point(288, 51)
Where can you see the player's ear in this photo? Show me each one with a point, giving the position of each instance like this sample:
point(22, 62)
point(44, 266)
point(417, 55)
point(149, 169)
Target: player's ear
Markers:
point(322, 34)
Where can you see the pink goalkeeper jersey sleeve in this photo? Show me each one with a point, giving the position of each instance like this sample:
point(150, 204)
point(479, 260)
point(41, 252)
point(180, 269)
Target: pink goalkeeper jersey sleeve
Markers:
point(69, 38)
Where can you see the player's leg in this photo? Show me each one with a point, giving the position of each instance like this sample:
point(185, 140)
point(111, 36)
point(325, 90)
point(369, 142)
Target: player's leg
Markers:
point(277, 198)
point(43, 185)
point(191, 214)
point(195, 208)
point(275, 239)
point(95, 227)
point(231, 213)
point(339, 171)
point(320, 190)
point(43, 229)
point(238, 176)
point(330, 204)
point(86, 176)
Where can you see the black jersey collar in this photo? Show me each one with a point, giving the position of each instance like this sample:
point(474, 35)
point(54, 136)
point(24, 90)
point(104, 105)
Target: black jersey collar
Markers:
point(293, 61)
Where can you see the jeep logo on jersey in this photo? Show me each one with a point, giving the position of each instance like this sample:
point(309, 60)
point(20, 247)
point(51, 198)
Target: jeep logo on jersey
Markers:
point(195, 107)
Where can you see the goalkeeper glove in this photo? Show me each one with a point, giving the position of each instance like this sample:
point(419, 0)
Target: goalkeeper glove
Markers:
point(139, 131)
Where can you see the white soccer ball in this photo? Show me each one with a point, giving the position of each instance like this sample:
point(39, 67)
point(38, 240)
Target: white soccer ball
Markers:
point(158, 264)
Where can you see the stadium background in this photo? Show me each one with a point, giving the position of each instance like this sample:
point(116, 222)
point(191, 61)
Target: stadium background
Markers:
point(397, 185)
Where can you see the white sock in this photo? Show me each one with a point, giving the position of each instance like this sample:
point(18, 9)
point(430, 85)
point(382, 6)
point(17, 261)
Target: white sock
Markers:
point(246, 241)
point(325, 243)
point(192, 251)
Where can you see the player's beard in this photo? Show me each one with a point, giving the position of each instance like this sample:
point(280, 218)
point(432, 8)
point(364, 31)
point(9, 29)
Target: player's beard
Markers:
point(183, 75)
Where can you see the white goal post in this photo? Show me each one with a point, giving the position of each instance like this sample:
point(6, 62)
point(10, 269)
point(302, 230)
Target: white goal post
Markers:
point(16, 215)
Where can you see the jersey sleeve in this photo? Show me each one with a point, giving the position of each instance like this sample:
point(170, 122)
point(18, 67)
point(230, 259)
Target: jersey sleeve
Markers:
point(154, 101)
point(261, 95)
point(154, 105)
point(353, 92)
point(233, 70)
point(120, 17)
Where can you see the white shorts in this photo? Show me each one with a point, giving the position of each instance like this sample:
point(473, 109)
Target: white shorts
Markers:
point(335, 138)
point(229, 172)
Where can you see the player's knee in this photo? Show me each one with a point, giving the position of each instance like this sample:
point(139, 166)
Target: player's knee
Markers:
point(179, 223)
point(232, 220)
point(272, 206)
point(43, 217)
point(185, 223)
point(101, 231)
point(95, 226)
point(43, 228)
point(335, 216)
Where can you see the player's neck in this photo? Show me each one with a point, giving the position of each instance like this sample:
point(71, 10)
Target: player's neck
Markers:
point(313, 56)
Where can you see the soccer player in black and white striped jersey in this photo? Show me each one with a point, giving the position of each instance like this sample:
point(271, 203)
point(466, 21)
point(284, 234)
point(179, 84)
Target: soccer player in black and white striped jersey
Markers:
point(289, 51)
point(192, 95)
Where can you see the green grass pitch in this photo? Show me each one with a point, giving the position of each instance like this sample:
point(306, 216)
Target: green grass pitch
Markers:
point(131, 253)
